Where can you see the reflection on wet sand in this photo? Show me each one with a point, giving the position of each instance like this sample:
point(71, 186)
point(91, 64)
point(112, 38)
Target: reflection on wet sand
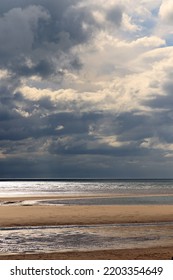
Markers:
point(17, 240)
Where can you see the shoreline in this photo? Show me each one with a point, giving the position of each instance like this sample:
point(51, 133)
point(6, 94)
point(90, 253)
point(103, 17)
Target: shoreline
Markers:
point(23, 197)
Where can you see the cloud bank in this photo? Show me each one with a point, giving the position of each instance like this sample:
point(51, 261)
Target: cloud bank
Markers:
point(86, 89)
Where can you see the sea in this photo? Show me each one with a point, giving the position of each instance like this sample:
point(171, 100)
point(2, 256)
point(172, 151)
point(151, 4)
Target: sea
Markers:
point(85, 186)
point(37, 239)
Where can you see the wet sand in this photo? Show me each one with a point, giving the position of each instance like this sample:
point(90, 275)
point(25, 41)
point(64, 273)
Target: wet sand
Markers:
point(14, 215)
point(81, 215)
point(155, 253)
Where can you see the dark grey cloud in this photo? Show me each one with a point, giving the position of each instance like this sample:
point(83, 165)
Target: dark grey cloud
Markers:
point(79, 146)
point(17, 28)
point(67, 135)
point(86, 166)
point(53, 138)
point(80, 141)
point(36, 34)
point(38, 119)
point(115, 15)
point(37, 39)
point(164, 101)
point(43, 69)
point(162, 116)
point(133, 126)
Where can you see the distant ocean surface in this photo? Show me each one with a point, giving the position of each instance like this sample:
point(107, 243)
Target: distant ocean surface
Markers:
point(78, 187)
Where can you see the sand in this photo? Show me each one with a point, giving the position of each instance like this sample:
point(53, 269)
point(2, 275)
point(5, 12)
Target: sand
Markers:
point(156, 253)
point(70, 215)
point(14, 215)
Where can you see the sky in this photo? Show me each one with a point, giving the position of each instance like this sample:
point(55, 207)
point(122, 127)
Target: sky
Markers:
point(86, 89)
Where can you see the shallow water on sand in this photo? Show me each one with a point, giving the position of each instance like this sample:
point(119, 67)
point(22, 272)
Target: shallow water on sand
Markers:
point(119, 200)
point(92, 237)
point(137, 200)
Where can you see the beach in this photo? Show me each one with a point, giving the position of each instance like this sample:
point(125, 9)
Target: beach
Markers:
point(75, 214)
point(14, 215)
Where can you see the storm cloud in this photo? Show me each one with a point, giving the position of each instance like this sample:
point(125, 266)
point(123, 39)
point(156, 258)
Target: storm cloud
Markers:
point(115, 15)
point(36, 34)
point(85, 89)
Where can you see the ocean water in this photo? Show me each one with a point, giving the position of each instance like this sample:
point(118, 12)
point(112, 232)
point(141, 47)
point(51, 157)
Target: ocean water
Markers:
point(70, 187)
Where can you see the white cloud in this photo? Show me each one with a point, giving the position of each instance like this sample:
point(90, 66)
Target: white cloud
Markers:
point(128, 24)
point(4, 74)
point(166, 11)
point(156, 143)
point(117, 76)
point(2, 154)
point(59, 127)
point(110, 141)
